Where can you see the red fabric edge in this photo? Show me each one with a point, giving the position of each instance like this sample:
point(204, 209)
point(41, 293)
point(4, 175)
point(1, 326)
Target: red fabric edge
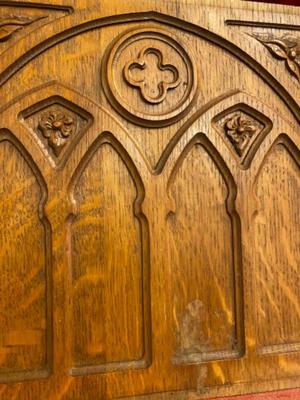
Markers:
point(287, 2)
point(281, 395)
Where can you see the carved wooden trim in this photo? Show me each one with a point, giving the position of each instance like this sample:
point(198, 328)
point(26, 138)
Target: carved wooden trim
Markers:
point(45, 6)
point(259, 24)
point(286, 47)
point(12, 21)
point(10, 24)
point(157, 17)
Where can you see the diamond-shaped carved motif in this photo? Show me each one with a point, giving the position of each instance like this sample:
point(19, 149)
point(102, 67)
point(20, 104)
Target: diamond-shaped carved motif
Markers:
point(243, 131)
point(58, 125)
point(240, 129)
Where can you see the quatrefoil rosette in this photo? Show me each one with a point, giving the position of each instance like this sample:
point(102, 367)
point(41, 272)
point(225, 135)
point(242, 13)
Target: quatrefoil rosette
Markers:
point(149, 77)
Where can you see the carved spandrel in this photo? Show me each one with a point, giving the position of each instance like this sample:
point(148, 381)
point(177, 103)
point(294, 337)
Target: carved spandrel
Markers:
point(242, 129)
point(9, 24)
point(286, 47)
point(57, 125)
point(149, 77)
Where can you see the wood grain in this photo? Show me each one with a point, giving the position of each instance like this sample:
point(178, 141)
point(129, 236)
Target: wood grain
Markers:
point(149, 200)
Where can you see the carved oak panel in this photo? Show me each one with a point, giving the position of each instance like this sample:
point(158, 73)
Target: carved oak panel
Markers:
point(149, 199)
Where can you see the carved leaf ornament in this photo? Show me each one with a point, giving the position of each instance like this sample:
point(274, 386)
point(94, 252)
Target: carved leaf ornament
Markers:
point(285, 48)
point(12, 23)
point(56, 127)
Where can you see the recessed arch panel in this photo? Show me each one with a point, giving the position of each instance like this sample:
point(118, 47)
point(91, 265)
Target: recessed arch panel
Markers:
point(209, 313)
point(109, 263)
point(277, 249)
point(25, 266)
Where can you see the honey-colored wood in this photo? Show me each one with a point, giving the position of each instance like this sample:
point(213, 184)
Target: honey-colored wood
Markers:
point(149, 199)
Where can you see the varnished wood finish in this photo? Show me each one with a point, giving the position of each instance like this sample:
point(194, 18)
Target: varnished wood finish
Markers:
point(149, 199)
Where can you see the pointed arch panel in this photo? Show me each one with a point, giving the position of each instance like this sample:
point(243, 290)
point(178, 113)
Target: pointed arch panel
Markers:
point(25, 276)
point(109, 251)
point(209, 313)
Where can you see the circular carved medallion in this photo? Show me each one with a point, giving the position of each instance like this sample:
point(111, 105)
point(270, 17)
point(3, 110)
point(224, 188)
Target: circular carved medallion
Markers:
point(149, 77)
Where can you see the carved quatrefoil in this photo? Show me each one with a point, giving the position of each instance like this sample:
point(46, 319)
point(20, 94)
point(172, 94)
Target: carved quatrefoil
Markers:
point(151, 75)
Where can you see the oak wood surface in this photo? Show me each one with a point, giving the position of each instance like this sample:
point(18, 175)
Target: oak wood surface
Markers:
point(149, 199)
